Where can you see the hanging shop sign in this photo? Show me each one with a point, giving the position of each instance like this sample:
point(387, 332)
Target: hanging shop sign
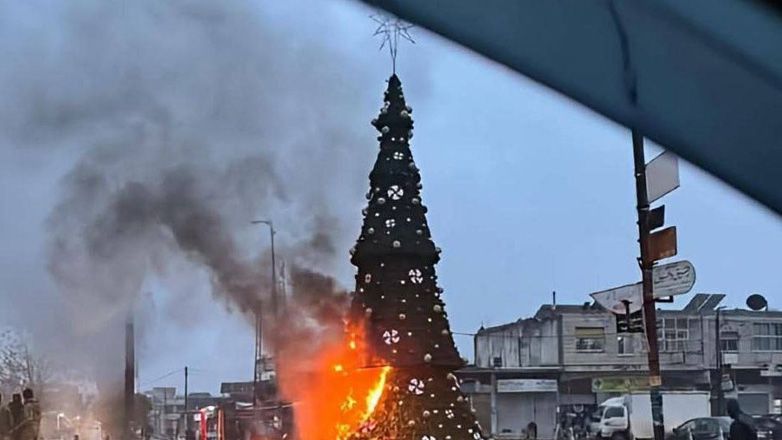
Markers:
point(619, 384)
point(526, 386)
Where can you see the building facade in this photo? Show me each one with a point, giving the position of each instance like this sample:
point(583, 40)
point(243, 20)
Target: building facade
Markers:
point(167, 415)
point(567, 359)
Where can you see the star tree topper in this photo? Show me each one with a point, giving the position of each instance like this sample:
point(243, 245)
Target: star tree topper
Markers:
point(390, 29)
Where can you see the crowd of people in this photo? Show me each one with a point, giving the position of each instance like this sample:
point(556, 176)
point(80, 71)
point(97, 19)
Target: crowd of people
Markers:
point(20, 419)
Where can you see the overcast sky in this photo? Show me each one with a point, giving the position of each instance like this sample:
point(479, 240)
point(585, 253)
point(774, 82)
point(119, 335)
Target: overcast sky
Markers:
point(528, 193)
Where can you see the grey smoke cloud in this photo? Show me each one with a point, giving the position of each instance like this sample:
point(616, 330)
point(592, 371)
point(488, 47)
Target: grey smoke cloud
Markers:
point(182, 121)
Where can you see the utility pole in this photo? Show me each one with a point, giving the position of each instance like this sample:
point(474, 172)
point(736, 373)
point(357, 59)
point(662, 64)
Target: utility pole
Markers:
point(164, 428)
point(647, 264)
point(258, 349)
point(130, 375)
point(187, 415)
point(272, 233)
point(718, 339)
point(259, 320)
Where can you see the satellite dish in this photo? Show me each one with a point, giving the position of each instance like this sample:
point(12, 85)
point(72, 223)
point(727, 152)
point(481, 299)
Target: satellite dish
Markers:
point(757, 302)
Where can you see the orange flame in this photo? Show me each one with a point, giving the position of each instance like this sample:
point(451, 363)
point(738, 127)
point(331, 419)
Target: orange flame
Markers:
point(373, 398)
point(333, 394)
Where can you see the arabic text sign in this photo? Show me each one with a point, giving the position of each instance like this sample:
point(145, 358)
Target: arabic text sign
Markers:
point(527, 386)
point(619, 384)
point(612, 299)
point(673, 279)
point(669, 280)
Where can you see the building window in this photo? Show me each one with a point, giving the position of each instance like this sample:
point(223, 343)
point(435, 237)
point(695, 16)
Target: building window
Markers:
point(625, 346)
point(766, 337)
point(590, 338)
point(673, 334)
point(729, 341)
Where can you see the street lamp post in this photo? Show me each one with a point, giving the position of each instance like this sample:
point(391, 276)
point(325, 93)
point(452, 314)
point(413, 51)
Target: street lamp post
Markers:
point(258, 320)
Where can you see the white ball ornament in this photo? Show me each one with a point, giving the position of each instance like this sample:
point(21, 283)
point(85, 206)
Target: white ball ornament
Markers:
point(427, 358)
point(437, 308)
point(385, 129)
point(371, 231)
point(396, 244)
point(402, 316)
point(404, 114)
point(381, 201)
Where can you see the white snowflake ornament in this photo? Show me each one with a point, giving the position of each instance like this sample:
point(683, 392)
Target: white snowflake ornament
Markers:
point(416, 386)
point(395, 192)
point(391, 337)
point(416, 277)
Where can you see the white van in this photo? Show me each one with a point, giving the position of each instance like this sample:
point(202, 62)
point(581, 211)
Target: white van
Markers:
point(630, 417)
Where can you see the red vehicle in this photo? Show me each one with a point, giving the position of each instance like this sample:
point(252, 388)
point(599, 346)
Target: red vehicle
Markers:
point(240, 421)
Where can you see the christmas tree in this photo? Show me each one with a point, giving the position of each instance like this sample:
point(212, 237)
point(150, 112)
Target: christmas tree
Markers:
point(397, 299)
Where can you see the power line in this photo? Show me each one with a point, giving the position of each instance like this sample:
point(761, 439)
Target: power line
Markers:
point(170, 373)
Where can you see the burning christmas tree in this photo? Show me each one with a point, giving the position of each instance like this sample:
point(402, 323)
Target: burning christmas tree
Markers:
point(397, 302)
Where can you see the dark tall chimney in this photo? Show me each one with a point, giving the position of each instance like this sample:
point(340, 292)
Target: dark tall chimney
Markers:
point(130, 378)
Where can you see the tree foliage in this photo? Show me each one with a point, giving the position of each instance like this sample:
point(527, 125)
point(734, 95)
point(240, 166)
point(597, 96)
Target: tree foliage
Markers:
point(20, 366)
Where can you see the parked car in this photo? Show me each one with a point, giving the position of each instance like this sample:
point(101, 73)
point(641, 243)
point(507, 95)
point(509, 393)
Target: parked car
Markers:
point(703, 428)
point(769, 427)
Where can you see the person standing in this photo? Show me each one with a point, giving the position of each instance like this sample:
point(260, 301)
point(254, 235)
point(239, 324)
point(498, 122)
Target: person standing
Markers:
point(742, 427)
point(31, 424)
point(16, 412)
point(5, 420)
